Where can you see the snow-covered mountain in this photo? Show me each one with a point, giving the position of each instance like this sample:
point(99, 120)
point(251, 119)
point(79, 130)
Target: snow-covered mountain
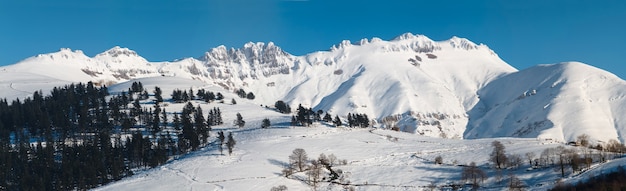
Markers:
point(453, 88)
point(559, 101)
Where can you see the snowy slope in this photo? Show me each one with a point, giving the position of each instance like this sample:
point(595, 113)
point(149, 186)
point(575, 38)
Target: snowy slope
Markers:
point(376, 159)
point(453, 88)
point(558, 101)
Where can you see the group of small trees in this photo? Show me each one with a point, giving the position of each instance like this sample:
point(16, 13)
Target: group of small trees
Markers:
point(473, 174)
point(317, 170)
point(242, 94)
point(180, 96)
point(565, 159)
point(77, 131)
point(358, 120)
point(84, 137)
point(306, 117)
point(195, 129)
point(230, 142)
point(282, 107)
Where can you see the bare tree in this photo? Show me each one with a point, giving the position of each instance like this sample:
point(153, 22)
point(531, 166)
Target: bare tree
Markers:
point(583, 140)
point(498, 154)
point(332, 160)
point(547, 156)
point(473, 174)
point(315, 173)
point(298, 159)
point(287, 171)
point(322, 159)
point(514, 160)
point(515, 183)
point(562, 153)
point(614, 146)
point(530, 156)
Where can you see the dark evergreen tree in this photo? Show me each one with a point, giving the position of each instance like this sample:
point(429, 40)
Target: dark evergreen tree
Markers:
point(303, 118)
point(191, 95)
point(143, 95)
point(282, 107)
point(250, 96)
point(156, 119)
point(201, 125)
point(266, 123)
point(239, 122)
point(337, 121)
point(176, 122)
point(164, 118)
point(189, 133)
point(327, 118)
point(221, 137)
point(210, 96)
point(157, 94)
point(230, 143)
point(294, 120)
point(241, 93)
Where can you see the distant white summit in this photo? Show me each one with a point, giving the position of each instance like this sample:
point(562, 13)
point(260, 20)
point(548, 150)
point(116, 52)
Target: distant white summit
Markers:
point(453, 88)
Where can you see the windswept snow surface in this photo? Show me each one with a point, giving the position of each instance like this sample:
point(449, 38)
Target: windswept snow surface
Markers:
point(452, 88)
point(376, 159)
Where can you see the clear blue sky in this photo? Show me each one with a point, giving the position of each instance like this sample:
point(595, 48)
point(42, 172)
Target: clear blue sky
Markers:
point(523, 33)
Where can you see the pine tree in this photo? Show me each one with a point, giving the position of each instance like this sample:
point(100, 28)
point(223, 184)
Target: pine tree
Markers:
point(191, 95)
point(221, 137)
point(266, 123)
point(303, 117)
point(157, 94)
point(239, 122)
point(176, 123)
point(156, 120)
point(337, 121)
point(282, 107)
point(294, 120)
point(230, 143)
point(200, 124)
point(327, 118)
point(210, 96)
point(233, 101)
point(250, 96)
point(241, 93)
point(164, 118)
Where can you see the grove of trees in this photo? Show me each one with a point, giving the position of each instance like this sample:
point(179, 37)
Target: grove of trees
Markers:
point(78, 136)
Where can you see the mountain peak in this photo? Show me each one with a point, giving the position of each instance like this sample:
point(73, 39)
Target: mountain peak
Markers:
point(463, 43)
point(404, 36)
point(408, 35)
point(119, 51)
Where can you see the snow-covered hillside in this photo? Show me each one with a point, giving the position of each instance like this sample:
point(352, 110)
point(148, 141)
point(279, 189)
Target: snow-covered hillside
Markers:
point(375, 159)
point(557, 101)
point(452, 88)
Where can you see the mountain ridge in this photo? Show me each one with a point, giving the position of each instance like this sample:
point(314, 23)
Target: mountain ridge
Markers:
point(449, 88)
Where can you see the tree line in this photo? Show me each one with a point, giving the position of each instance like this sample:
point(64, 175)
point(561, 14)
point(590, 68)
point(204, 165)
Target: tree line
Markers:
point(306, 116)
point(80, 137)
